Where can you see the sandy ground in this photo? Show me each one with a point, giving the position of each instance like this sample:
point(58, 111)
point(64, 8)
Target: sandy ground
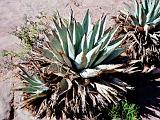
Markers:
point(12, 13)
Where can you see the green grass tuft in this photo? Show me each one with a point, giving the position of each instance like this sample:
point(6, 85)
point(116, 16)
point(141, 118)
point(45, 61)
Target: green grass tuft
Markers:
point(123, 111)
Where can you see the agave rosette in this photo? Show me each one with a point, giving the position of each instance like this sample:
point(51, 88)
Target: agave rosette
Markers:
point(143, 14)
point(77, 76)
point(82, 46)
point(143, 18)
point(34, 85)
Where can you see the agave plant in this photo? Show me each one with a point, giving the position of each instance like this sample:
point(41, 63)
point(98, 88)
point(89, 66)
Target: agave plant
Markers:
point(143, 17)
point(76, 80)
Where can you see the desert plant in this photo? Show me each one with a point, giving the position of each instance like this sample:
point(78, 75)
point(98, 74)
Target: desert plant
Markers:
point(74, 68)
point(30, 32)
point(143, 19)
point(12, 54)
point(123, 111)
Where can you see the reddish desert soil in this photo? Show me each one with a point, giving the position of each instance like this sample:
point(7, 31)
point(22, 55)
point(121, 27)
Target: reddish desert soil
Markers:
point(12, 14)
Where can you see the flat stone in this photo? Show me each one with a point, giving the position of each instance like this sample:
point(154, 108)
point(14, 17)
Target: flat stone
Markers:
point(6, 99)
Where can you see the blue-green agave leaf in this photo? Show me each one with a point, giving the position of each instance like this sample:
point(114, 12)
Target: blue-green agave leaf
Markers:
point(92, 55)
point(62, 34)
point(32, 81)
point(86, 24)
point(156, 21)
point(55, 46)
point(145, 5)
point(157, 8)
point(83, 43)
point(151, 11)
point(81, 60)
point(102, 27)
point(104, 39)
point(77, 35)
point(52, 54)
point(114, 54)
point(71, 50)
point(94, 36)
point(112, 33)
point(108, 50)
point(38, 80)
point(136, 5)
point(142, 15)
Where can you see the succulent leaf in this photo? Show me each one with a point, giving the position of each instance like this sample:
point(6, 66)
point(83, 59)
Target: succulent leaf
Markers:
point(94, 35)
point(102, 27)
point(35, 85)
point(108, 50)
point(86, 24)
point(114, 54)
point(71, 50)
point(92, 55)
point(62, 34)
point(111, 35)
point(81, 60)
point(136, 5)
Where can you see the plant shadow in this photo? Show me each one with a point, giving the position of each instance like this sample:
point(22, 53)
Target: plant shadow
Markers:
point(146, 93)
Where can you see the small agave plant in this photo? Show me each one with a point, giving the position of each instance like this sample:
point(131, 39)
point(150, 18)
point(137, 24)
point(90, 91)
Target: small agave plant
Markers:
point(143, 19)
point(73, 70)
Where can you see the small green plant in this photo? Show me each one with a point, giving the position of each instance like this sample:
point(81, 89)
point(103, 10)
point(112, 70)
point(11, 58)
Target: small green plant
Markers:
point(124, 111)
point(113, 113)
point(71, 74)
point(19, 54)
point(142, 20)
point(30, 32)
point(5, 53)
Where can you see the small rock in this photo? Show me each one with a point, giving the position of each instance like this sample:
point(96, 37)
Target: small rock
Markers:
point(6, 99)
